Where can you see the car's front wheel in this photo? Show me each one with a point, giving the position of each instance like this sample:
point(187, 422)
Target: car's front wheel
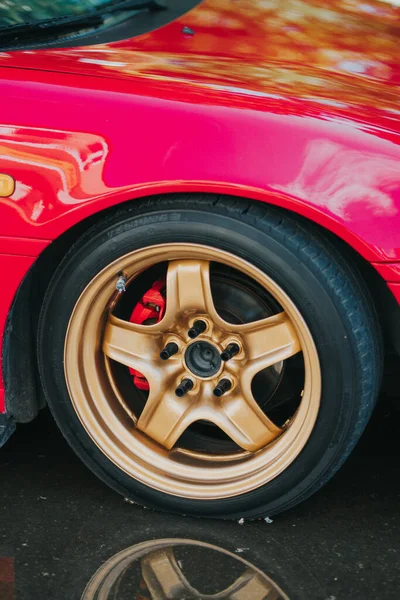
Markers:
point(209, 356)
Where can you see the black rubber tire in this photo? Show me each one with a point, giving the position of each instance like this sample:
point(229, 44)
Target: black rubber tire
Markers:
point(331, 297)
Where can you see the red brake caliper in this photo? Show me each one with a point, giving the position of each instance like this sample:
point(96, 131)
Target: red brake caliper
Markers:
point(151, 306)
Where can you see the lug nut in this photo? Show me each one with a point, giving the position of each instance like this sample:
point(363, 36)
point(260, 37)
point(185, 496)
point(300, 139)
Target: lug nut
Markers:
point(184, 387)
point(170, 349)
point(223, 386)
point(197, 329)
point(230, 351)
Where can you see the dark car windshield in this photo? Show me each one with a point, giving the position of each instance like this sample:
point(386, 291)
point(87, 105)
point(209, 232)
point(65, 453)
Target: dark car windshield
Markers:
point(45, 23)
point(16, 12)
point(30, 24)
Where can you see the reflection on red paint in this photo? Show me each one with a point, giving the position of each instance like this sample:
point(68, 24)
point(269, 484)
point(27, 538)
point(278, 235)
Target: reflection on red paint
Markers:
point(45, 163)
point(343, 52)
point(345, 181)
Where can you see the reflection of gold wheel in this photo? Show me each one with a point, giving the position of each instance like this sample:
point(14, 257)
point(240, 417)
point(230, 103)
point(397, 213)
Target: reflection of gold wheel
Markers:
point(191, 383)
point(164, 578)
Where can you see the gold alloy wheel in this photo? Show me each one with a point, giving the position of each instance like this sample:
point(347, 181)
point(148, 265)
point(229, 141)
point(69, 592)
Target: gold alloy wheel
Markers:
point(146, 446)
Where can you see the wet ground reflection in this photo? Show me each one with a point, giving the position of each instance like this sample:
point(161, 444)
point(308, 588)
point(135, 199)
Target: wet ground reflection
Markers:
point(180, 570)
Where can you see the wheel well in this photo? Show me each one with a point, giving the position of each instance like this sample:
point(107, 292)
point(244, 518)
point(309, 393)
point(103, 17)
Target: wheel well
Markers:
point(24, 396)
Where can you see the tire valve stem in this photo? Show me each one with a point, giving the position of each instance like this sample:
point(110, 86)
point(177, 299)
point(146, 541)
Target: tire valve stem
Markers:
point(120, 286)
point(197, 328)
point(230, 351)
point(184, 387)
point(170, 349)
point(224, 385)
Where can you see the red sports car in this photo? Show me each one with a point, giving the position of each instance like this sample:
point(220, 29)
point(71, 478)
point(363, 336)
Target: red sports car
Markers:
point(200, 239)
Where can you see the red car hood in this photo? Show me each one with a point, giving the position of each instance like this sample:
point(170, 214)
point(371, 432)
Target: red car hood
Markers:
point(339, 53)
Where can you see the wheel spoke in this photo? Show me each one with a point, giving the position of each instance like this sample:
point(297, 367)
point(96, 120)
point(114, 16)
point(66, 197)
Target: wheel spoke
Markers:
point(165, 416)
point(163, 576)
point(250, 585)
point(188, 289)
point(269, 341)
point(132, 345)
point(164, 579)
point(244, 421)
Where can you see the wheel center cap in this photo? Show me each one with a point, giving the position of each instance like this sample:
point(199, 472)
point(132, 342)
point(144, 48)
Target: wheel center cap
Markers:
point(203, 359)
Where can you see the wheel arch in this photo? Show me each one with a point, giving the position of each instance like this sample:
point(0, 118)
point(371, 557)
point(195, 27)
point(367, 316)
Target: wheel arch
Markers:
point(24, 397)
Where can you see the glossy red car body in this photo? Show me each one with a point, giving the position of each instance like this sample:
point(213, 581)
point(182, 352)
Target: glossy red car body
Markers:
point(295, 103)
